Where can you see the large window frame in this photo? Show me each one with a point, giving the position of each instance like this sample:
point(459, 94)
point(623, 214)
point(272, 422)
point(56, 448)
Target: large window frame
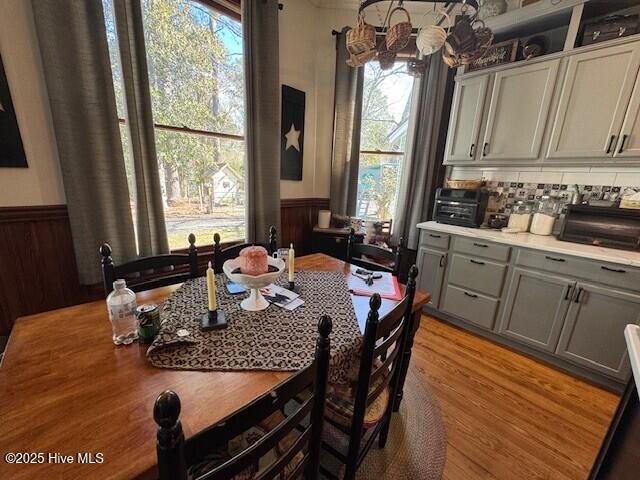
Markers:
point(403, 56)
point(181, 128)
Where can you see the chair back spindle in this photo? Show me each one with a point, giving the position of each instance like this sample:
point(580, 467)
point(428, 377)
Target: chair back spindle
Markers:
point(170, 439)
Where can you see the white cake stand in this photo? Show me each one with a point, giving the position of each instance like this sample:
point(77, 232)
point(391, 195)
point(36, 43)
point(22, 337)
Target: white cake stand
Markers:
point(256, 301)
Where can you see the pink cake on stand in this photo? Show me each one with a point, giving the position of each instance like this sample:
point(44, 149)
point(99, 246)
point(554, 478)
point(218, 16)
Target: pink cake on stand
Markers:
point(253, 260)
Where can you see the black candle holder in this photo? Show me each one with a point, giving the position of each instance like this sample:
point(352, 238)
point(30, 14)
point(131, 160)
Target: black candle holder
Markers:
point(294, 288)
point(213, 320)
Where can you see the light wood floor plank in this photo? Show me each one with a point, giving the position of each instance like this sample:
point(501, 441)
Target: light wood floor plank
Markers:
point(509, 416)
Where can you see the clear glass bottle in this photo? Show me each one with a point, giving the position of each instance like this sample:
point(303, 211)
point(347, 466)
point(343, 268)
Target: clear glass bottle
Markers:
point(545, 216)
point(121, 304)
point(520, 216)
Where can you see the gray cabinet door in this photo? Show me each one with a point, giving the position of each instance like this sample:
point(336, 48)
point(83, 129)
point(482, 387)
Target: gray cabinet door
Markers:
point(506, 139)
point(431, 264)
point(593, 102)
point(536, 307)
point(465, 120)
point(593, 333)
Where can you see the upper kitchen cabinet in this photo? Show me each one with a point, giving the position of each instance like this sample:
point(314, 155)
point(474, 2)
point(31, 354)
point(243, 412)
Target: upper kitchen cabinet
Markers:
point(628, 144)
point(518, 111)
point(466, 117)
point(593, 102)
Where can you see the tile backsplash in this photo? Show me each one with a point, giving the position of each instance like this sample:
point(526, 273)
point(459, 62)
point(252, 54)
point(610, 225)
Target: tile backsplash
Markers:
point(508, 185)
point(503, 195)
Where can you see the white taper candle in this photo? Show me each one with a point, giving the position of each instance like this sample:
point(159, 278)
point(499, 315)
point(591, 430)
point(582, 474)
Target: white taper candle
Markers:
point(211, 288)
point(292, 263)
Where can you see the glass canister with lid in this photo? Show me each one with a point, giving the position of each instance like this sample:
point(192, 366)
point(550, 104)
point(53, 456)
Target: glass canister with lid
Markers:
point(545, 215)
point(520, 216)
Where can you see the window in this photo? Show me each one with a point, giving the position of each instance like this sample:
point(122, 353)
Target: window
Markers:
point(196, 80)
point(385, 115)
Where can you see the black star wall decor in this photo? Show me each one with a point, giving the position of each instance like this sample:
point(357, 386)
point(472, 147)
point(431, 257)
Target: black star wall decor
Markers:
point(11, 149)
point(292, 133)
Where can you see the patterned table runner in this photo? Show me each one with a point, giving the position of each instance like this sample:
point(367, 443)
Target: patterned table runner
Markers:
point(273, 339)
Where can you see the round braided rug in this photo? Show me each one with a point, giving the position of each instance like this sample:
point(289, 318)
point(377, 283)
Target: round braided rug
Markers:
point(417, 444)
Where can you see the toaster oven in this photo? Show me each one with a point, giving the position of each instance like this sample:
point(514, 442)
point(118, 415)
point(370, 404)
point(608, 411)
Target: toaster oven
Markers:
point(462, 207)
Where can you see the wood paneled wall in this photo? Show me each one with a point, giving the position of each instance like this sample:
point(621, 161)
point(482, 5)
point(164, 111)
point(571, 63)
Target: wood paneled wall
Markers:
point(298, 217)
point(37, 263)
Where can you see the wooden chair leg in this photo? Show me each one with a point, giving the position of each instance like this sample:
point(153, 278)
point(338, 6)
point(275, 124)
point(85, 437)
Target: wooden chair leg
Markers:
point(406, 358)
point(384, 433)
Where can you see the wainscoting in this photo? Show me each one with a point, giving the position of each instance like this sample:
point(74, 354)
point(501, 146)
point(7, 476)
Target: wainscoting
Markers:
point(298, 217)
point(38, 263)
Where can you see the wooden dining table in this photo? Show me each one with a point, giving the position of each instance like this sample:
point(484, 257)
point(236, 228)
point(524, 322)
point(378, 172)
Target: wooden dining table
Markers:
point(82, 407)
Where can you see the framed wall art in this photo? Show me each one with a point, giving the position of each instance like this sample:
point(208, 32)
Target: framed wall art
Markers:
point(292, 135)
point(11, 149)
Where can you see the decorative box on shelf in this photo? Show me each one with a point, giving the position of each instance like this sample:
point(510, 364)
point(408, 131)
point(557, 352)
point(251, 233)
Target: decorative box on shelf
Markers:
point(333, 241)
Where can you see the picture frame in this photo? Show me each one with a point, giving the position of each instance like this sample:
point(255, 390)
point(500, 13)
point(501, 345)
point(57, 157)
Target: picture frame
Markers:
point(292, 133)
point(11, 149)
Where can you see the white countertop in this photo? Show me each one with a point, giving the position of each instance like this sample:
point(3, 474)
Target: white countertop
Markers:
point(539, 242)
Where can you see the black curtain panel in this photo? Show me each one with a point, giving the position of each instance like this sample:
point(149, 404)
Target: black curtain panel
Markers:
point(292, 138)
point(11, 149)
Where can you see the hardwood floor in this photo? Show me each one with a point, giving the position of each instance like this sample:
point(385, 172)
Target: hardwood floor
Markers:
point(509, 416)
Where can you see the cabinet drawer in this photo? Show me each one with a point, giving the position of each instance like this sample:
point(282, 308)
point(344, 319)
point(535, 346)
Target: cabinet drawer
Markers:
point(470, 306)
point(602, 272)
point(482, 248)
point(477, 274)
point(435, 239)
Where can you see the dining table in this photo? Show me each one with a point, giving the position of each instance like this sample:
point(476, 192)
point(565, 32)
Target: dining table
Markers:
point(74, 405)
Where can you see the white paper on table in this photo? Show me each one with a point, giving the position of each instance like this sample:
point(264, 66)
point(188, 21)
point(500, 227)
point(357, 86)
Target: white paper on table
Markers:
point(278, 295)
point(293, 304)
point(384, 286)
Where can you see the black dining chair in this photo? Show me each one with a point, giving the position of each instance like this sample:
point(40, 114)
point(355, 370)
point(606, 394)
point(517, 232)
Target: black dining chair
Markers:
point(150, 272)
point(221, 255)
point(357, 414)
point(373, 257)
point(294, 437)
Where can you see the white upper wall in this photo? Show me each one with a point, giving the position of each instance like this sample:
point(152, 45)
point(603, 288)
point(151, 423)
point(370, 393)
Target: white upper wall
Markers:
point(41, 183)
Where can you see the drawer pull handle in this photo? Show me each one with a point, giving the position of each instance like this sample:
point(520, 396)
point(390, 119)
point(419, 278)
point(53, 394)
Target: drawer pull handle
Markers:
point(472, 295)
point(613, 138)
point(555, 259)
point(477, 262)
point(569, 293)
point(624, 139)
point(580, 290)
point(442, 260)
point(435, 236)
point(615, 270)
point(482, 245)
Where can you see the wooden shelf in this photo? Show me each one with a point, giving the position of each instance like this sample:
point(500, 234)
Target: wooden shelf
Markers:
point(542, 15)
